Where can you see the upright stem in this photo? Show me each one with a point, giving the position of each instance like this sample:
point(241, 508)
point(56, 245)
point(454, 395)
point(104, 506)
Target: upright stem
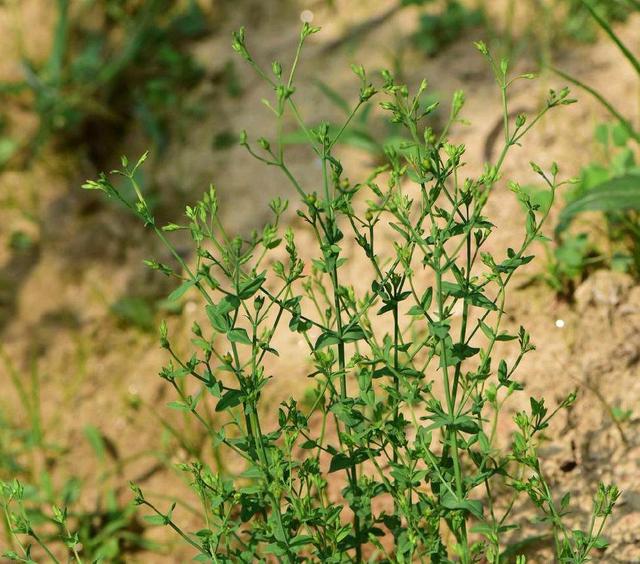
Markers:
point(351, 471)
point(465, 317)
point(44, 547)
point(396, 366)
point(451, 433)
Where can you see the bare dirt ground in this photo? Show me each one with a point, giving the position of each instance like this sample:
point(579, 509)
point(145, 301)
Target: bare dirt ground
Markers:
point(55, 298)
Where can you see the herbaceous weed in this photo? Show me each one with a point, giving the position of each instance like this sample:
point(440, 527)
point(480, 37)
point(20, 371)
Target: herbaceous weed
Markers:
point(394, 456)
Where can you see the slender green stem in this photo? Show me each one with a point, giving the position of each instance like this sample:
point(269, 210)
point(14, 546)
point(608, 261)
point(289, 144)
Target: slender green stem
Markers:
point(635, 63)
point(177, 529)
point(43, 545)
point(605, 103)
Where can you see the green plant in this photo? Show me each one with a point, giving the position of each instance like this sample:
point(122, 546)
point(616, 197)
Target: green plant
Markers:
point(42, 518)
point(544, 28)
point(578, 23)
point(438, 30)
point(15, 514)
point(610, 186)
point(407, 393)
point(37, 529)
point(97, 80)
point(135, 311)
point(612, 189)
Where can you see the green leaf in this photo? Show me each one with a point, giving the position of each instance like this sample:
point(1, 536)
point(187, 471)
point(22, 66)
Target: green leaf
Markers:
point(427, 298)
point(456, 353)
point(340, 461)
point(504, 336)
point(181, 290)
point(355, 333)
point(615, 195)
point(571, 255)
point(96, 440)
point(253, 473)
point(487, 330)
point(231, 399)
point(219, 321)
point(601, 543)
point(134, 311)
point(425, 303)
point(440, 329)
point(204, 345)
point(602, 134)
point(480, 300)
point(402, 232)
point(620, 135)
point(239, 335)
point(301, 540)
point(228, 304)
point(347, 414)
point(155, 519)
point(473, 506)
point(327, 338)
point(502, 372)
point(247, 289)
point(178, 405)
point(466, 424)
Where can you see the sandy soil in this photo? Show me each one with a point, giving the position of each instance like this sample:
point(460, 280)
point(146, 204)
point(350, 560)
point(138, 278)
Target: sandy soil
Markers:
point(55, 297)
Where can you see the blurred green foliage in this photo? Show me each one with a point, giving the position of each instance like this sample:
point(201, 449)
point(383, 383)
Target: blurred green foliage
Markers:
point(612, 187)
point(134, 66)
point(439, 29)
point(609, 185)
point(32, 496)
point(136, 311)
point(578, 23)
